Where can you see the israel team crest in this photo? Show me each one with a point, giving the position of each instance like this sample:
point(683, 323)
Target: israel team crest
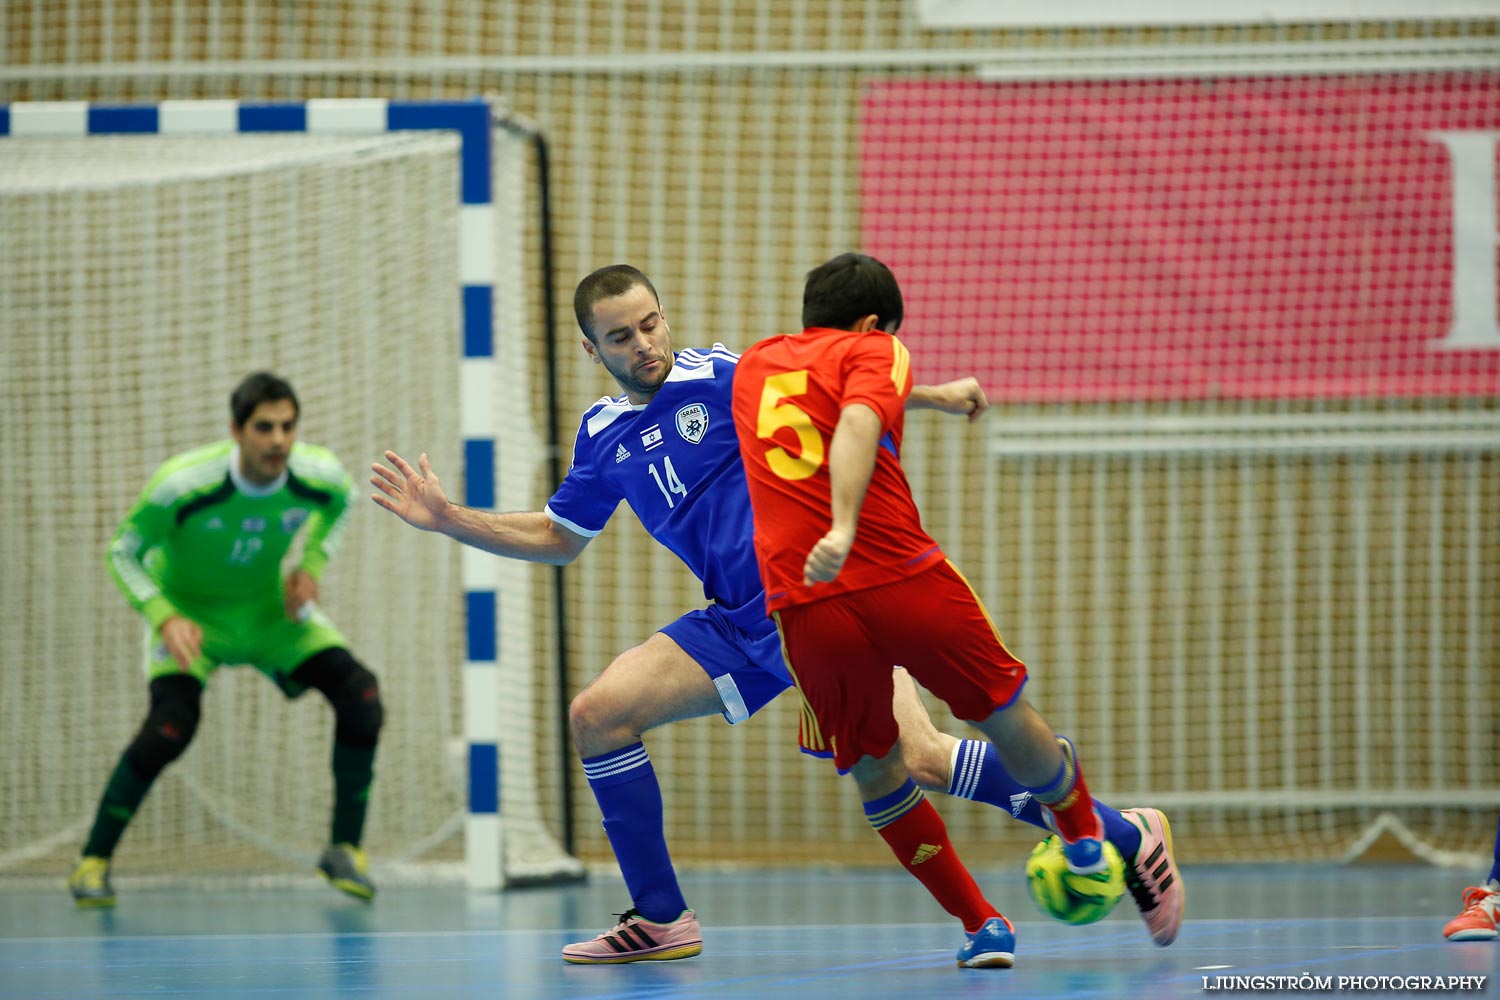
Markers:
point(692, 422)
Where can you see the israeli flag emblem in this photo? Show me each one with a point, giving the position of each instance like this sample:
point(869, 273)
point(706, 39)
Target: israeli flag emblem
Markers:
point(692, 422)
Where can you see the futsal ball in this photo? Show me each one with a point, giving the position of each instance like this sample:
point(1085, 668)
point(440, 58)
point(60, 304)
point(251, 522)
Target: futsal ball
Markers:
point(1071, 898)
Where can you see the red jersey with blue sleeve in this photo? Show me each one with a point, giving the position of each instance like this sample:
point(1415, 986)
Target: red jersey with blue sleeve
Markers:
point(788, 394)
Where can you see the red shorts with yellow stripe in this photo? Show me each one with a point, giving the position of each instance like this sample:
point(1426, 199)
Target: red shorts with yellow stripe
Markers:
point(841, 651)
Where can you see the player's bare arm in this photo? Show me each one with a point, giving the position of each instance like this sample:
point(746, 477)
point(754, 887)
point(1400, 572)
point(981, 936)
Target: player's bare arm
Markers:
point(963, 397)
point(851, 463)
point(183, 639)
point(417, 497)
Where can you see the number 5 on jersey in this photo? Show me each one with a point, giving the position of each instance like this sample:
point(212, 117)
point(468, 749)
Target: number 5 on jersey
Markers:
point(775, 413)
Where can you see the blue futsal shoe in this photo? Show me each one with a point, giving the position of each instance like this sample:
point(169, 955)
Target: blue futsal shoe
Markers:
point(1086, 854)
point(993, 946)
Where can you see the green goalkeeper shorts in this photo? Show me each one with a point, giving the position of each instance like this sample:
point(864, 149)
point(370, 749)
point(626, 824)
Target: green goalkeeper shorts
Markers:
point(261, 636)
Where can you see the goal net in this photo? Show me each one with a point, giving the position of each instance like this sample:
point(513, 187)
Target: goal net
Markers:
point(141, 276)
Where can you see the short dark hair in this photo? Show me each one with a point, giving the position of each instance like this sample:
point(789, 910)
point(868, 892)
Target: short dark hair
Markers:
point(606, 283)
point(261, 387)
point(849, 287)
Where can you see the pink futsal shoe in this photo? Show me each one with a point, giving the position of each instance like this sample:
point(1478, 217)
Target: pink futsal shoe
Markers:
point(636, 939)
point(1479, 921)
point(1152, 876)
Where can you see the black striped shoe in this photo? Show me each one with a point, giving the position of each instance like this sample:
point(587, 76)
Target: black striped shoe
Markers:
point(636, 939)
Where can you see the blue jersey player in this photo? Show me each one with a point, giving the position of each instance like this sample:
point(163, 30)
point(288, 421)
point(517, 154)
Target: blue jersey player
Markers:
point(667, 447)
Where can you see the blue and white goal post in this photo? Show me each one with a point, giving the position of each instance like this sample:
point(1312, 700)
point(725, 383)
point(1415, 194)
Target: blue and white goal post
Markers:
point(505, 838)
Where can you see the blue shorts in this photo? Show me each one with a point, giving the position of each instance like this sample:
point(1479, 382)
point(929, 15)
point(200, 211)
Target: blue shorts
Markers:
point(741, 652)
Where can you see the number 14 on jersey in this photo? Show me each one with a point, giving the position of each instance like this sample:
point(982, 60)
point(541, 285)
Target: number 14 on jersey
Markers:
point(671, 484)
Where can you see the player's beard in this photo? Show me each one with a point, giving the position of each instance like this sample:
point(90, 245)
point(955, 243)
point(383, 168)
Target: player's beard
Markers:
point(643, 386)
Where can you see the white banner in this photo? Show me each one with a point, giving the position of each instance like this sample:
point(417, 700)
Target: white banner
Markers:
point(1026, 13)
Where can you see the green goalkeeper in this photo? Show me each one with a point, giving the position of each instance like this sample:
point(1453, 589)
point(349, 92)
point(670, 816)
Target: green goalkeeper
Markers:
point(201, 555)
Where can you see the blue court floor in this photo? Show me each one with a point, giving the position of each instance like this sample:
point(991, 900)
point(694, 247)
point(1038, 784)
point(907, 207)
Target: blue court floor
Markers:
point(787, 933)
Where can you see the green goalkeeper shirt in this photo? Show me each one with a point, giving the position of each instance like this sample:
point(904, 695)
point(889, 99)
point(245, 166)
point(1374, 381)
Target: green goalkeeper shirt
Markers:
point(202, 536)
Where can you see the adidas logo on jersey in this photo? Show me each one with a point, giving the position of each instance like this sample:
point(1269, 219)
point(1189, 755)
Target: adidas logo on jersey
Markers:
point(621, 454)
point(925, 853)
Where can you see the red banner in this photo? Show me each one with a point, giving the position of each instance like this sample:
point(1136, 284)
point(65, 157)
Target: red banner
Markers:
point(1193, 239)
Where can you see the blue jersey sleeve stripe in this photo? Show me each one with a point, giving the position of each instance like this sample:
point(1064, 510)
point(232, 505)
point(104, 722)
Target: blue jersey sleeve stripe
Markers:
point(715, 347)
point(607, 414)
point(700, 354)
point(696, 357)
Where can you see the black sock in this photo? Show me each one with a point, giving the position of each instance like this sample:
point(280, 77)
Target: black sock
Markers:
point(353, 772)
point(122, 797)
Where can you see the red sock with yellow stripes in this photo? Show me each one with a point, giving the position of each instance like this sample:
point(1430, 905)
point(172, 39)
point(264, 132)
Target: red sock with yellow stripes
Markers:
point(915, 832)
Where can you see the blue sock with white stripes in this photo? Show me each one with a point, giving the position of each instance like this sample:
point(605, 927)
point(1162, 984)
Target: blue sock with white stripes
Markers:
point(624, 784)
point(977, 774)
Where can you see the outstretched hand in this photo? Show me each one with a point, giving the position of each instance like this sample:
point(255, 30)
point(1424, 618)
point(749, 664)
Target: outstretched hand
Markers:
point(416, 498)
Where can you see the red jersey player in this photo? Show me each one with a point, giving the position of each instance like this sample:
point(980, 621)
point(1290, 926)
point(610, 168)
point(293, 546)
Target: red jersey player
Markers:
point(856, 586)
